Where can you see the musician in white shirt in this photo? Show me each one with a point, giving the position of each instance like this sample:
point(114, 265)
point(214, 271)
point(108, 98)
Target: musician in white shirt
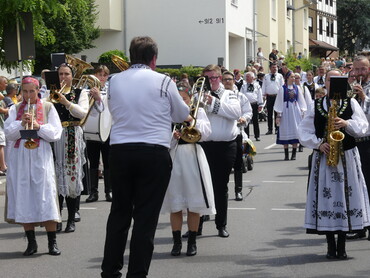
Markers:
point(223, 111)
point(272, 83)
point(253, 91)
point(320, 78)
point(143, 104)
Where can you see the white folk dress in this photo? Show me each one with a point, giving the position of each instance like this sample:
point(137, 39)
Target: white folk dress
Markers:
point(190, 186)
point(291, 104)
point(30, 181)
point(337, 198)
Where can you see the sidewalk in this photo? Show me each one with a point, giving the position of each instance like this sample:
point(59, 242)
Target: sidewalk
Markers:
point(2, 185)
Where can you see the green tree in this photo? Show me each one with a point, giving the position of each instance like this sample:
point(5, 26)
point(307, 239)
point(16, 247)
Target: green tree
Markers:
point(353, 25)
point(58, 25)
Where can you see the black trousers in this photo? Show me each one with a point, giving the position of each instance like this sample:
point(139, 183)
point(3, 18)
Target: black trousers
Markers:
point(94, 148)
point(256, 127)
point(221, 158)
point(364, 150)
point(238, 164)
point(270, 101)
point(140, 174)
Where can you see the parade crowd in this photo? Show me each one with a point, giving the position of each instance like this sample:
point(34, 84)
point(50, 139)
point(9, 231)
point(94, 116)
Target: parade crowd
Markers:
point(190, 138)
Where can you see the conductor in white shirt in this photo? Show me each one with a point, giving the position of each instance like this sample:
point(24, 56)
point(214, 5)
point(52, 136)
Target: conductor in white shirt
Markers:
point(143, 104)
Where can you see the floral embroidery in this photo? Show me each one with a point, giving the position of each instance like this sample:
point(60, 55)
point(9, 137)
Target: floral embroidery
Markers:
point(327, 193)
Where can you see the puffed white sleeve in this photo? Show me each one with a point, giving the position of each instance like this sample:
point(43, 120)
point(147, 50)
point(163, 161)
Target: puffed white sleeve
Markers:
point(79, 110)
point(203, 124)
point(279, 102)
point(52, 130)
point(358, 124)
point(301, 100)
point(308, 98)
point(306, 131)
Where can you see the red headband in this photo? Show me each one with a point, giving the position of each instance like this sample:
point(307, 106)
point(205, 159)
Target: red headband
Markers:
point(28, 80)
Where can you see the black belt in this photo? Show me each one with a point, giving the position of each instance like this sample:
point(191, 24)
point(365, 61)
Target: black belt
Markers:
point(140, 145)
point(363, 139)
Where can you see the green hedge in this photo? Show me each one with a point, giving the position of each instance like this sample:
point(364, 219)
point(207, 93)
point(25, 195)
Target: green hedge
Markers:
point(190, 70)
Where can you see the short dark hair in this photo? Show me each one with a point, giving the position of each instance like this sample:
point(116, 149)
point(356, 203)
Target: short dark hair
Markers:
point(273, 64)
point(142, 50)
point(101, 68)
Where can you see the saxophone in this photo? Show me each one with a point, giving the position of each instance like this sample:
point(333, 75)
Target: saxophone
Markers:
point(334, 137)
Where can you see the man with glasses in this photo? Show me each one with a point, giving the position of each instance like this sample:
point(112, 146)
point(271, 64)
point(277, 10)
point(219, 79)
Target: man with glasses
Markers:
point(270, 87)
point(228, 81)
point(223, 110)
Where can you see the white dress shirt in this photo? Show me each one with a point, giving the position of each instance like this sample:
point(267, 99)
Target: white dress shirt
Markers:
point(271, 87)
point(255, 95)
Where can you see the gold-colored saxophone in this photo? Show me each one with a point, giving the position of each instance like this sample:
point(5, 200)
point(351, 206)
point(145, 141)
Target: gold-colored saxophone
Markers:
point(334, 136)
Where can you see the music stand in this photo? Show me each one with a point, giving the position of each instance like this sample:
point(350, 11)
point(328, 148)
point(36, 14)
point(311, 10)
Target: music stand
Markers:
point(52, 80)
point(338, 87)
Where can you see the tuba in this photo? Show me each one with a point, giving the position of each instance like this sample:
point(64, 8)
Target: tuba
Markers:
point(334, 137)
point(120, 62)
point(189, 133)
point(90, 81)
point(78, 66)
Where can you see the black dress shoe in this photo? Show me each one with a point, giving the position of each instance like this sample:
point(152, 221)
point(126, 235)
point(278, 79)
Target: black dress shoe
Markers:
point(342, 255)
point(77, 216)
point(353, 236)
point(258, 139)
point(108, 197)
point(71, 227)
point(93, 197)
point(59, 227)
point(268, 132)
point(238, 196)
point(222, 232)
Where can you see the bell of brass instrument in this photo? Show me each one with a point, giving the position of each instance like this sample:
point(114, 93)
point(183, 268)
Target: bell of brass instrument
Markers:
point(120, 62)
point(54, 94)
point(91, 81)
point(30, 142)
point(189, 133)
point(334, 136)
point(79, 66)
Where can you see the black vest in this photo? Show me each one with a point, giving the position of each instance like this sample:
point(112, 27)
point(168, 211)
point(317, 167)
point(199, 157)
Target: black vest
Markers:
point(321, 118)
point(311, 88)
point(63, 113)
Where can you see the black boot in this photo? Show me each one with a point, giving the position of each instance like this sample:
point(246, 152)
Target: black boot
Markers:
point(341, 246)
point(330, 239)
point(52, 244)
point(294, 152)
point(300, 148)
point(71, 205)
point(286, 154)
point(32, 244)
point(192, 244)
point(94, 181)
point(177, 245)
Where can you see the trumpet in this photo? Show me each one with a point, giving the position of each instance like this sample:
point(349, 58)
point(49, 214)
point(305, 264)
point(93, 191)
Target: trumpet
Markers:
point(54, 96)
point(30, 142)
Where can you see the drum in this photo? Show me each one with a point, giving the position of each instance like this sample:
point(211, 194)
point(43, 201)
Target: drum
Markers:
point(98, 125)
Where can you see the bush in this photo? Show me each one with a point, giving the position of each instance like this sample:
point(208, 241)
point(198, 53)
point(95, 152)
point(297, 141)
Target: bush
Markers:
point(305, 63)
point(191, 71)
point(106, 59)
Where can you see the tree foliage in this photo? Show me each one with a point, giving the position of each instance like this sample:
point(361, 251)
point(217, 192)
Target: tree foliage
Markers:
point(58, 26)
point(353, 25)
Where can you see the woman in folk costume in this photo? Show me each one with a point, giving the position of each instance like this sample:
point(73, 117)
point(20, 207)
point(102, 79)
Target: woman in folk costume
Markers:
point(69, 150)
point(31, 187)
point(289, 106)
point(190, 187)
point(337, 199)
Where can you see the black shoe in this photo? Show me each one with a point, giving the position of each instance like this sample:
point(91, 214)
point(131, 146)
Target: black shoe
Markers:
point(52, 244)
point(268, 132)
point(32, 244)
point(59, 227)
point(71, 227)
point(206, 218)
point(186, 235)
point(77, 216)
point(108, 197)
point(222, 232)
point(238, 196)
point(93, 197)
point(356, 235)
point(192, 245)
point(258, 139)
point(177, 245)
point(300, 148)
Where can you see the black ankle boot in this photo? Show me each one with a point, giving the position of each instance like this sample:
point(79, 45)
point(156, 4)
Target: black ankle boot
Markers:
point(294, 152)
point(192, 244)
point(52, 244)
point(32, 244)
point(71, 226)
point(177, 245)
point(341, 246)
point(330, 239)
point(286, 154)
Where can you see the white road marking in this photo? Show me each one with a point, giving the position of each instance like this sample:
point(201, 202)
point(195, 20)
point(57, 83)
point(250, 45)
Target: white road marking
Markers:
point(270, 147)
point(279, 181)
point(87, 208)
point(234, 181)
point(242, 208)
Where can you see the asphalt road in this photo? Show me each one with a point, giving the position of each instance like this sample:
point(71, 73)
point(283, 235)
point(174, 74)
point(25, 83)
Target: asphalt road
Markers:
point(266, 235)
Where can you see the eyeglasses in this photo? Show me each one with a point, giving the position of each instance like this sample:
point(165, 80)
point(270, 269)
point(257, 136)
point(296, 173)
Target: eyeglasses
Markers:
point(227, 79)
point(213, 78)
